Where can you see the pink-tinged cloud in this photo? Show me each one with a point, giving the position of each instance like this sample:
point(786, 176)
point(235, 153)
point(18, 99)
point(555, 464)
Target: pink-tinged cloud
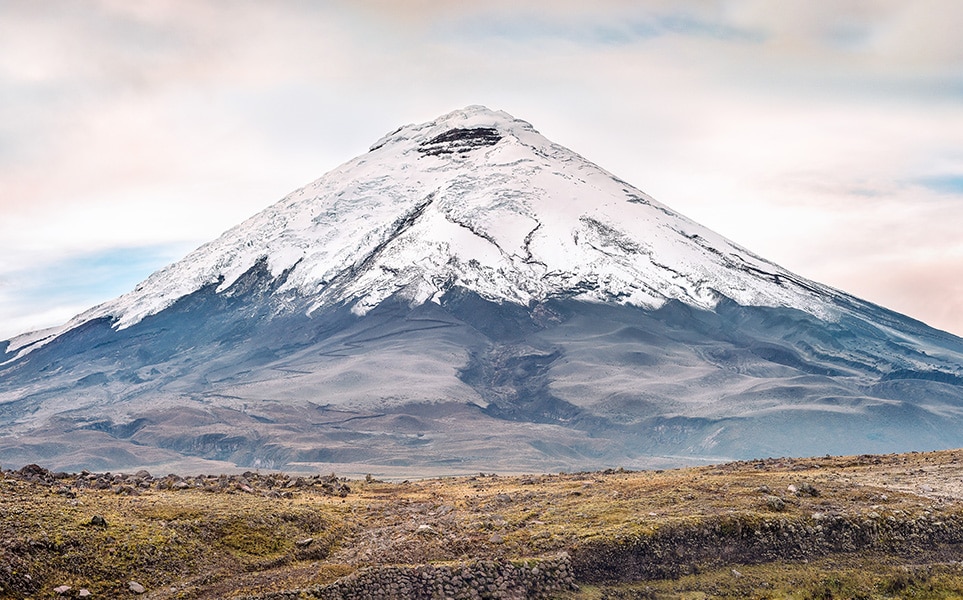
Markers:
point(823, 137)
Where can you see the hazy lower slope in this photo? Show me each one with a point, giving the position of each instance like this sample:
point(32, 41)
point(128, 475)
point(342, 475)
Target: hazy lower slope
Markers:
point(471, 384)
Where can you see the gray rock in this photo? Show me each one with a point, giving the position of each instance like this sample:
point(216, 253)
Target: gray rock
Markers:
point(98, 521)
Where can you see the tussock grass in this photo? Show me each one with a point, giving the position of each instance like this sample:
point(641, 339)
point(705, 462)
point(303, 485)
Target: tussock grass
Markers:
point(193, 543)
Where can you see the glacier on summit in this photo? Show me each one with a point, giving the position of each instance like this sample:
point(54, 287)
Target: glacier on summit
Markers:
point(463, 271)
point(480, 200)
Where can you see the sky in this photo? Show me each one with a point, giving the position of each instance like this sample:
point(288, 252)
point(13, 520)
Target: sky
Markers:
point(824, 136)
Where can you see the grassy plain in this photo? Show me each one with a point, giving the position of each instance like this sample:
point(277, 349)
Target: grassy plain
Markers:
point(832, 527)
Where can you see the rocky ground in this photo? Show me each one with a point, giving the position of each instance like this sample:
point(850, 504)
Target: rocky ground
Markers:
point(864, 526)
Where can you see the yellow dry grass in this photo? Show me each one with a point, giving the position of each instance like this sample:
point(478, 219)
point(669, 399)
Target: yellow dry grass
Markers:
point(197, 544)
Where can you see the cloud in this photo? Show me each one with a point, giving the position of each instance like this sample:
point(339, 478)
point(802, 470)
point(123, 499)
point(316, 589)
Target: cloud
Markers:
point(593, 27)
point(157, 122)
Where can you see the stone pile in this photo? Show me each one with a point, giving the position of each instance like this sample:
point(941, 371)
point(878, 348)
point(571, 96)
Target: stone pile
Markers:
point(481, 580)
point(275, 485)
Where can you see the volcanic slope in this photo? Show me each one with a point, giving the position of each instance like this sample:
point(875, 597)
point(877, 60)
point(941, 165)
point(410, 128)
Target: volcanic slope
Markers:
point(470, 296)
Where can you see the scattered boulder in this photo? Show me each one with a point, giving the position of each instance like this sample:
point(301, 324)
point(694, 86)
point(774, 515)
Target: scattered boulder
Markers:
point(97, 521)
point(65, 492)
point(775, 503)
point(36, 474)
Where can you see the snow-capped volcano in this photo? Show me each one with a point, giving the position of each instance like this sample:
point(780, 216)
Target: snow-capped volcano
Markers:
point(476, 199)
point(469, 261)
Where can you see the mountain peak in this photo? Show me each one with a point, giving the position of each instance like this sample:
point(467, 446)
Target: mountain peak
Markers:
point(465, 124)
point(470, 294)
point(475, 199)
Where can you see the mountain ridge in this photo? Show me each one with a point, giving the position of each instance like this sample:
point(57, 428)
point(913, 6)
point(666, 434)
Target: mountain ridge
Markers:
point(289, 237)
point(469, 294)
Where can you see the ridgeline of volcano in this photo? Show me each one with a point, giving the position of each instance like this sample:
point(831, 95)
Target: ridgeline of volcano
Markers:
point(469, 296)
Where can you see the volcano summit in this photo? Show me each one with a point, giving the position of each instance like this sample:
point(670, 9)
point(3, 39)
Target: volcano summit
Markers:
point(470, 296)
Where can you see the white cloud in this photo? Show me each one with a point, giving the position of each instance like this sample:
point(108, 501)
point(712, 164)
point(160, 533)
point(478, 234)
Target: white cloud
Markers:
point(798, 132)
